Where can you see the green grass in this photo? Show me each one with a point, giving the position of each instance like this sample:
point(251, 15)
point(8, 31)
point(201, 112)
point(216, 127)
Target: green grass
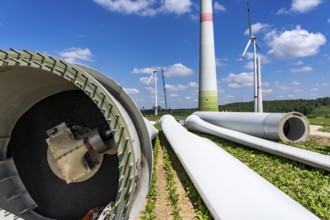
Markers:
point(173, 196)
point(312, 145)
point(325, 129)
point(319, 121)
point(308, 186)
point(149, 211)
point(152, 117)
point(156, 118)
point(200, 209)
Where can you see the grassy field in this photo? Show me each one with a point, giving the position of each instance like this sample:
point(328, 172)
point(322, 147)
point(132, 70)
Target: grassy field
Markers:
point(319, 121)
point(308, 186)
point(325, 129)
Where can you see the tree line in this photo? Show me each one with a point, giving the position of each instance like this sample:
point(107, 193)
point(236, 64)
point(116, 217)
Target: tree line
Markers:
point(308, 107)
point(304, 106)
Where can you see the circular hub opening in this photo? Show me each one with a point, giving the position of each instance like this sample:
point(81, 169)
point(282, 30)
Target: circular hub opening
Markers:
point(55, 198)
point(294, 129)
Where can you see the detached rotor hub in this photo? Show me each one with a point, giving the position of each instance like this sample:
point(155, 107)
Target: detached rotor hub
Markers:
point(75, 154)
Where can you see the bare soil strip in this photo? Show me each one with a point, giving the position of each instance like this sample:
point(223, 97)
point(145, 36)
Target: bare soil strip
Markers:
point(163, 207)
point(186, 207)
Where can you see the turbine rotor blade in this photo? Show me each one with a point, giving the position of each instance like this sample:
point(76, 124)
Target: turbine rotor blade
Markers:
point(149, 79)
point(257, 47)
point(247, 46)
point(250, 29)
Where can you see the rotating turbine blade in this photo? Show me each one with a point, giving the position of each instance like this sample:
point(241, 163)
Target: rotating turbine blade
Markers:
point(257, 47)
point(152, 74)
point(247, 46)
point(250, 30)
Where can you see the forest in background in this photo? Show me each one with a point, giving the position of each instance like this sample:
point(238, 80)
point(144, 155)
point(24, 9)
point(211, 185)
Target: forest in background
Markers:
point(309, 107)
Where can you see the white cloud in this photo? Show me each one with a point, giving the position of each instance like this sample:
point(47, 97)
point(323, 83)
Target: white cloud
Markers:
point(249, 65)
point(176, 6)
point(282, 11)
point(329, 20)
point(301, 69)
point(314, 89)
point(286, 86)
point(267, 91)
point(239, 80)
point(177, 69)
point(76, 55)
point(131, 91)
point(146, 7)
point(175, 88)
point(300, 6)
point(140, 7)
point(218, 7)
point(234, 85)
point(298, 63)
point(249, 55)
point(188, 98)
point(174, 95)
point(193, 84)
point(195, 17)
point(194, 91)
point(147, 70)
point(220, 62)
point(293, 44)
point(294, 83)
point(263, 59)
point(266, 84)
point(149, 89)
point(144, 80)
point(257, 28)
point(221, 91)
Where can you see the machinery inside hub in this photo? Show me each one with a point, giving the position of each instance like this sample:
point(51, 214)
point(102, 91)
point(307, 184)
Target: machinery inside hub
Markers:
point(55, 198)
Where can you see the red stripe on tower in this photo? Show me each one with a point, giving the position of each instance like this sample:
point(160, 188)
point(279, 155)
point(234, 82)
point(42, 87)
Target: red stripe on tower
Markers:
point(206, 17)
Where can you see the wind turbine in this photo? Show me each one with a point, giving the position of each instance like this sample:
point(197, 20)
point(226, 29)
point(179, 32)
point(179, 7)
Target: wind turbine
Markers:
point(256, 66)
point(154, 74)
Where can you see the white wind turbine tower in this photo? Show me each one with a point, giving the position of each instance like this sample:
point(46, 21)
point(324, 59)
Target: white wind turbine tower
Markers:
point(258, 107)
point(154, 75)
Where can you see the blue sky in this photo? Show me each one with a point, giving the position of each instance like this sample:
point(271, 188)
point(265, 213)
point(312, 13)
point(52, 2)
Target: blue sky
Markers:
point(127, 39)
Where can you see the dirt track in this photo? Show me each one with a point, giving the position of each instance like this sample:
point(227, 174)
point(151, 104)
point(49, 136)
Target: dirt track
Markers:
point(314, 131)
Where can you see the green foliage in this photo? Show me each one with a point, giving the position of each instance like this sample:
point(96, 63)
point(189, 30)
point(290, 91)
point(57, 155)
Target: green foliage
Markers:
point(314, 108)
point(321, 111)
point(312, 145)
point(319, 121)
point(200, 209)
point(308, 186)
point(325, 129)
point(149, 212)
point(171, 187)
